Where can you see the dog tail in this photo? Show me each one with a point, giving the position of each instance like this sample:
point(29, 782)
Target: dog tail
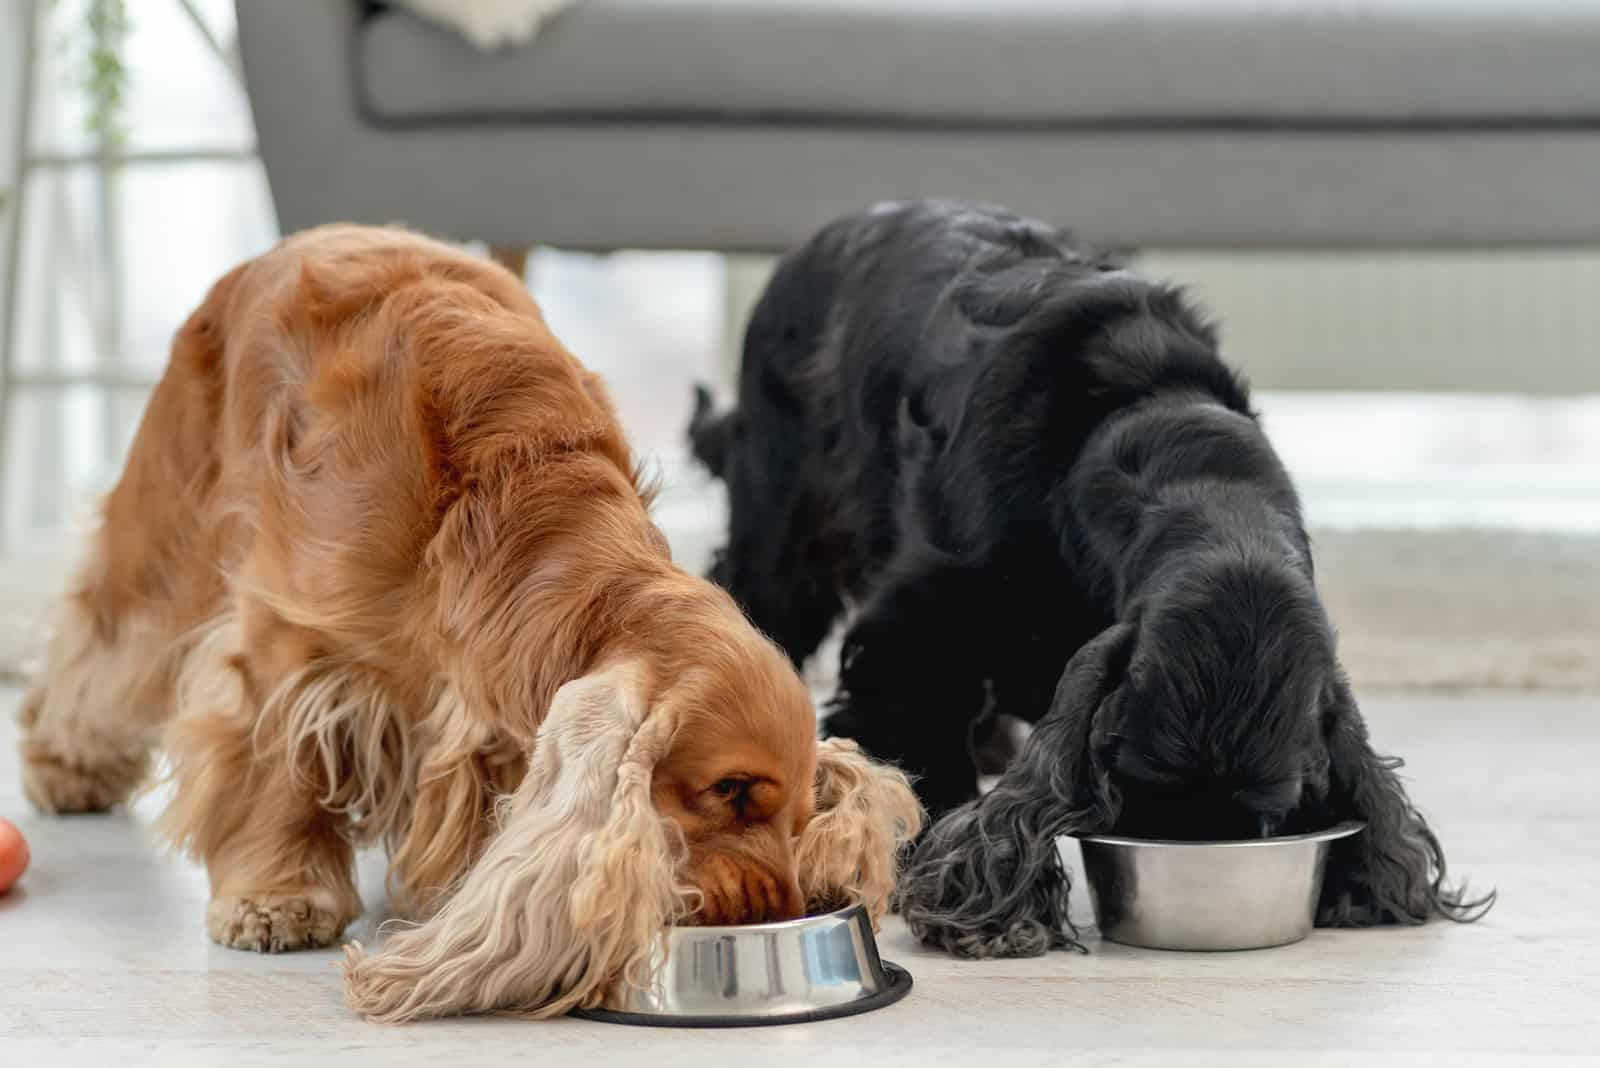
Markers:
point(709, 432)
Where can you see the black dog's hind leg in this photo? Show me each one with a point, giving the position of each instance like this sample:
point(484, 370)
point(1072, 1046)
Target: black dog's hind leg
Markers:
point(774, 564)
point(911, 682)
point(789, 598)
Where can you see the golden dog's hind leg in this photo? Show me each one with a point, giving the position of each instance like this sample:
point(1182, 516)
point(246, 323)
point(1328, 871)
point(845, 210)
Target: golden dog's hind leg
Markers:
point(90, 722)
point(150, 576)
point(281, 863)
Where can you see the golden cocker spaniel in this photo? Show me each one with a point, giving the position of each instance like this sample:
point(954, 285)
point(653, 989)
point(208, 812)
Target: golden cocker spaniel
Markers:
point(380, 569)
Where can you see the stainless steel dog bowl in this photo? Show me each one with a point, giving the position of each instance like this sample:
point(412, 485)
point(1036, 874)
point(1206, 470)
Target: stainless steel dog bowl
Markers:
point(1207, 895)
point(816, 968)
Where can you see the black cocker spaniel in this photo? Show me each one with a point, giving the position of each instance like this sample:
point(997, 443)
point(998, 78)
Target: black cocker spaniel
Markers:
point(1045, 495)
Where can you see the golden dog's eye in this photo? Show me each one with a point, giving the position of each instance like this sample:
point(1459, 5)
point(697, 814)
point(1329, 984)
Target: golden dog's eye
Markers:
point(727, 787)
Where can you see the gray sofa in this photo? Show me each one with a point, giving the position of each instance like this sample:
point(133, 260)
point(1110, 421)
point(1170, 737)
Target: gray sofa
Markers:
point(742, 124)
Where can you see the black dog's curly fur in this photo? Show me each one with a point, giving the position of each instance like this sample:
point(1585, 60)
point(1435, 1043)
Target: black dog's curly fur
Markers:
point(1049, 498)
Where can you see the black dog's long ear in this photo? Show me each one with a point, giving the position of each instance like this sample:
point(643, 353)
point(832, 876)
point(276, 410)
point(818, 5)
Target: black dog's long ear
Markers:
point(987, 880)
point(1394, 870)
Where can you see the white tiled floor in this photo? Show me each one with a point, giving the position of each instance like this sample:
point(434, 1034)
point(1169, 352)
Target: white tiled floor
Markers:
point(103, 961)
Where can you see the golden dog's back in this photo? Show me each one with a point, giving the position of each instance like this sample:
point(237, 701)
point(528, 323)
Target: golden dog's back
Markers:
point(332, 395)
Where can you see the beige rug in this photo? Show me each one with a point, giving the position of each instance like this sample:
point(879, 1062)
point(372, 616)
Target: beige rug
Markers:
point(1464, 609)
point(1436, 611)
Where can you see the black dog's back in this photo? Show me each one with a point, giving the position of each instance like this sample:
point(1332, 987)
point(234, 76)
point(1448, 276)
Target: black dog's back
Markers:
point(916, 377)
point(891, 332)
point(928, 425)
point(868, 335)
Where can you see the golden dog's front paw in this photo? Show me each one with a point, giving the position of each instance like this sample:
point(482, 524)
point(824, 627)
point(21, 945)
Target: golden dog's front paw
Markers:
point(276, 922)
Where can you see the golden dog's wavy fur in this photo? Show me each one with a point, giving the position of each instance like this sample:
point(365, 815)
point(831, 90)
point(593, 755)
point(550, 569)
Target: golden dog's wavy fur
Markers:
point(866, 813)
point(380, 569)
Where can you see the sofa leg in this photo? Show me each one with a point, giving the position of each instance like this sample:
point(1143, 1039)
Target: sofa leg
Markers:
point(513, 258)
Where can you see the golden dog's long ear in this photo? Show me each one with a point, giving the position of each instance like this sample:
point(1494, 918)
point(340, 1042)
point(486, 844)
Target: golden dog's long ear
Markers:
point(866, 814)
point(573, 892)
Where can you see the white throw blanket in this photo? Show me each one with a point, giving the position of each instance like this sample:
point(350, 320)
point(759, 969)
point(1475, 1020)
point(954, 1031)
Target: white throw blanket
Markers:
point(489, 24)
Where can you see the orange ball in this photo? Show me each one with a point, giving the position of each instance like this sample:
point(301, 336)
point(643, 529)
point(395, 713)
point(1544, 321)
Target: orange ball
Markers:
point(13, 855)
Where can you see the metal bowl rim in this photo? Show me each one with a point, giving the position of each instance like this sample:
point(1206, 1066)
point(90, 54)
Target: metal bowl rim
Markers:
point(1341, 830)
point(716, 930)
point(898, 986)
